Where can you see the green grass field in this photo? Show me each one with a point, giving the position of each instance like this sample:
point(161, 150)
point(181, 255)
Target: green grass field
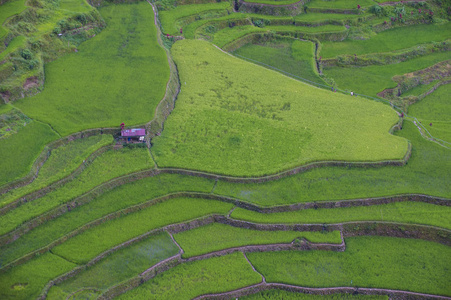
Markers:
point(117, 267)
point(400, 212)
point(117, 231)
point(109, 165)
point(389, 40)
point(294, 57)
point(169, 18)
point(26, 281)
point(114, 200)
point(373, 79)
point(62, 162)
point(435, 109)
point(31, 140)
point(75, 5)
point(186, 281)
point(281, 295)
point(114, 85)
point(217, 236)
point(240, 121)
point(378, 262)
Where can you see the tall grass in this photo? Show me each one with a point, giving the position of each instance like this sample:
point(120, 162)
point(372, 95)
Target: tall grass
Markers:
point(87, 245)
point(217, 236)
point(109, 80)
point(117, 267)
point(402, 212)
point(236, 118)
point(374, 262)
point(188, 280)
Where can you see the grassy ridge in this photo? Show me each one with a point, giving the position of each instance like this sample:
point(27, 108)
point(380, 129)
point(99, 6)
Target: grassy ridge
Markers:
point(402, 212)
point(389, 40)
point(379, 262)
point(188, 280)
point(108, 81)
point(62, 162)
point(427, 172)
point(26, 281)
point(217, 236)
point(435, 109)
point(31, 140)
point(117, 231)
point(117, 267)
point(235, 118)
point(114, 200)
point(109, 165)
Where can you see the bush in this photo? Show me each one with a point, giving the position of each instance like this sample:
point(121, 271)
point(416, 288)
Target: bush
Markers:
point(26, 54)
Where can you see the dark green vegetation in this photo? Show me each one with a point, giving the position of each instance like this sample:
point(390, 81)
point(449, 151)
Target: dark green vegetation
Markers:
point(292, 56)
point(216, 237)
point(108, 81)
point(119, 266)
point(121, 213)
point(214, 275)
point(382, 262)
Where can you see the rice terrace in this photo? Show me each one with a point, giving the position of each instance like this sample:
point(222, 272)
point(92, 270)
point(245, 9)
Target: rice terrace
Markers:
point(225, 149)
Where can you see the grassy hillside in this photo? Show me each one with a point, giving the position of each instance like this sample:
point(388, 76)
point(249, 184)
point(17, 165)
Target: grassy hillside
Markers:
point(118, 76)
point(236, 118)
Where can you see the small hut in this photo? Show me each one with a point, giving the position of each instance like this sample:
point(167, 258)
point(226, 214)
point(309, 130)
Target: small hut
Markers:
point(135, 135)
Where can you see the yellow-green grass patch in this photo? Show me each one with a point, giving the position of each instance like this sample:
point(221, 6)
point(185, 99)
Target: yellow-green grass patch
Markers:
point(237, 118)
point(192, 279)
point(117, 267)
point(371, 262)
point(400, 212)
point(216, 236)
point(90, 243)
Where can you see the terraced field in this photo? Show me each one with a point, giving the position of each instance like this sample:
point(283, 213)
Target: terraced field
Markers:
point(261, 177)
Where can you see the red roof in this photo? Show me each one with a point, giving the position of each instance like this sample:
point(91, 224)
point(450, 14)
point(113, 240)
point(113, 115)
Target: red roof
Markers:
point(134, 132)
